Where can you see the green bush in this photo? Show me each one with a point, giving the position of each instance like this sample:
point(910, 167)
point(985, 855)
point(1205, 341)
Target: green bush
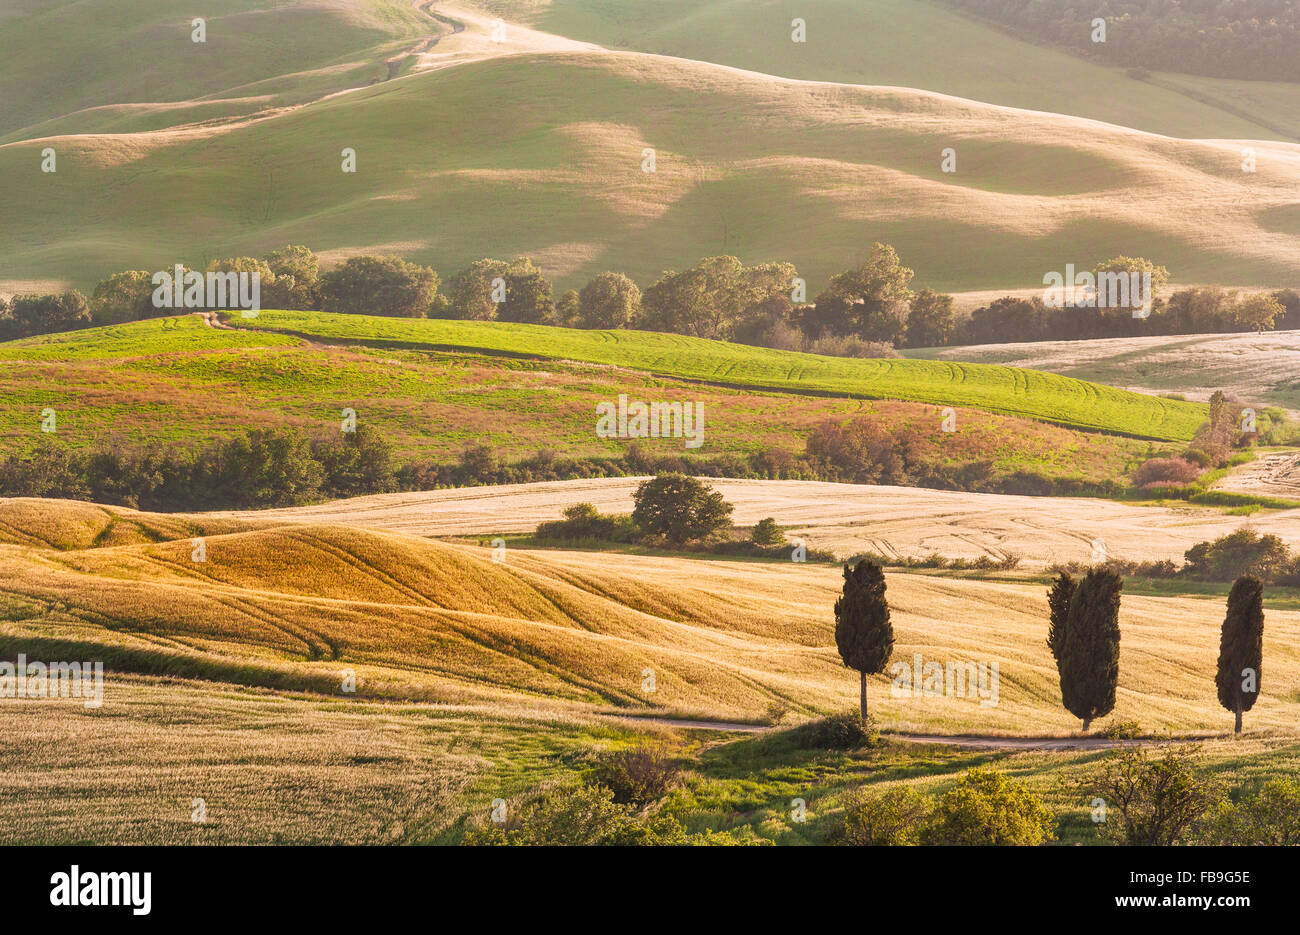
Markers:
point(767, 533)
point(844, 731)
point(1269, 817)
point(894, 817)
point(987, 807)
point(679, 508)
point(1158, 798)
point(588, 816)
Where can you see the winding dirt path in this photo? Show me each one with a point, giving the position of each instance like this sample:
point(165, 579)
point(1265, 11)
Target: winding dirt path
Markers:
point(428, 42)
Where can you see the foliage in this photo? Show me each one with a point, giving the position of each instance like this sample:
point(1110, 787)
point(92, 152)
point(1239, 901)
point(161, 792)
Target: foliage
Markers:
point(587, 815)
point(379, 285)
point(1089, 653)
point(1058, 602)
point(987, 807)
point(679, 508)
point(640, 776)
point(767, 533)
point(1241, 648)
point(1268, 817)
point(1158, 798)
point(893, 817)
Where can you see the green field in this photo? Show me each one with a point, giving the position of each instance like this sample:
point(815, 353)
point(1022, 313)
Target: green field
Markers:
point(176, 381)
point(1007, 390)
point(128, 65)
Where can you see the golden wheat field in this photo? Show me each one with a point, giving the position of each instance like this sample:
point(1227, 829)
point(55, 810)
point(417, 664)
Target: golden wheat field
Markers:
point(297, 607)
point(847, 519)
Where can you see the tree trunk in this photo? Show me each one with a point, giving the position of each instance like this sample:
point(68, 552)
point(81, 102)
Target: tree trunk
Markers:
point(1086, 723)
point(1237, 729)
point(864, 696)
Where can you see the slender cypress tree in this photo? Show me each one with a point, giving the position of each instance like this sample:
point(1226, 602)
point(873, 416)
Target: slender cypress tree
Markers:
point(1058, 603)
point(1241, 647)
point(1089, 657)
point(863, 633)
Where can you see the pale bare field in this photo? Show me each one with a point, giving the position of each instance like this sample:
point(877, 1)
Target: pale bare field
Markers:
point(1271, 474)
point(1255, 368)
point(844, 518)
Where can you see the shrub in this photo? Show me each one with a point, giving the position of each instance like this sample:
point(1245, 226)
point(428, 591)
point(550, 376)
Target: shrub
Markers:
point(588, 816)
point(839, 345)
point(986, 807)
point(1239, 553)
point(640, 776)
point(1269, 817)
point(1166, 472)
point(379, 285)
point(1158, 798)
point(843, 731)
point(894, 817)
point(1121, 730)
point(767, 533)
point(584, 521)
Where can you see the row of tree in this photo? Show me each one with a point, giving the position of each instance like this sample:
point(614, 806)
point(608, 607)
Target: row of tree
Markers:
point(1251, 39)
point(1083, 635)
point(866, 311)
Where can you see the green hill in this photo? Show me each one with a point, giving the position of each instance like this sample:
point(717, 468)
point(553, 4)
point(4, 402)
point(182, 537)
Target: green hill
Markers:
point(114, 65)
point(919, 44)
point(998, 389)
point(540, 154)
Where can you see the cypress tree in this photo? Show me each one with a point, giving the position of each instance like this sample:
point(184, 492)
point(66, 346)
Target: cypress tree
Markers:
point(863, 633)
point(1241, 647)
point(1058, 603)
point(1089, 657)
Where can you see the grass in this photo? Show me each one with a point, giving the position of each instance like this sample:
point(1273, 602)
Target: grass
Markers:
point(176, 381)
point(916, 44)
point(132, 65)
point(758, 167)
point(998, 389)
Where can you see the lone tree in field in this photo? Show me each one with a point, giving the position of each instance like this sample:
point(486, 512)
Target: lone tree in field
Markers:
point(1089, 649)
point(1241, 647)
point(1058, 602)
point(863, 633)
point(768, 533)
point(680, 508)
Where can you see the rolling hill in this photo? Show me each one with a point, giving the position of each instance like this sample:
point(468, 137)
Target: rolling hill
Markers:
point(127, 65)
point(540, 154)
point(478, 680)
point(1019, 392)
point(293, 607)
point(918, 44)
point(435, 387)
point(1258, 368)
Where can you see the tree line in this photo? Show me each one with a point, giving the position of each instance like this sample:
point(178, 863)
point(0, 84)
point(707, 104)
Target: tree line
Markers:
point(868, 311)
point(1251, 39)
